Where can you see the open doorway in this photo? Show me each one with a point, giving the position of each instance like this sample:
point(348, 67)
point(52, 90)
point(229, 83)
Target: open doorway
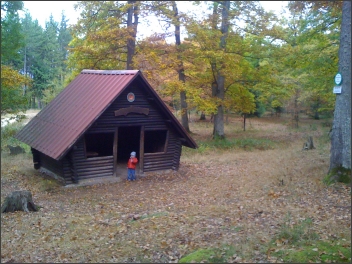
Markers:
point(128, 140)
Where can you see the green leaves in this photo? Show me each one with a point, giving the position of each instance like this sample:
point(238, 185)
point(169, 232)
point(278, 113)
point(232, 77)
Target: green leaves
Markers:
point(12, 99)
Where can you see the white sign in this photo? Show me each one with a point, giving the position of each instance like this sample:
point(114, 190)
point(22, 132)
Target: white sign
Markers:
point(337, 89)
point(338, 78)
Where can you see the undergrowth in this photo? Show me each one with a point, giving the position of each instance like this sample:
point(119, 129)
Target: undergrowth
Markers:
point(297, 233)
point(318, 252)
point(234, 143)
point(338, 174)
point(299, 243)
point(7, 137)
point(212, 255)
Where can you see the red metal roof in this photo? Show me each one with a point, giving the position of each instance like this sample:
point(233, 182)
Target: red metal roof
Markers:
point(57, 127)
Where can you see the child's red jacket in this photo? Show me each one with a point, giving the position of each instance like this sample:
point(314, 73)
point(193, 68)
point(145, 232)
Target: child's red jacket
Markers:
point(132, 162)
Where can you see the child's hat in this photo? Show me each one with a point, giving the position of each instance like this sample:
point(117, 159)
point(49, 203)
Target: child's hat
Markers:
point(133, 153)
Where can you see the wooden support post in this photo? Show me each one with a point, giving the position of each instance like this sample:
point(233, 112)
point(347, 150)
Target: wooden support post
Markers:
point(115, 150)
point(71, 160)
point(141, 150)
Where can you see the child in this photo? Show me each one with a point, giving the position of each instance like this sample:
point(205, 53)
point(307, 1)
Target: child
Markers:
point(131, 167)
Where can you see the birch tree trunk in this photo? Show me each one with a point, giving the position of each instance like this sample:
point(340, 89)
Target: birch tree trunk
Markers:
point(340, 153)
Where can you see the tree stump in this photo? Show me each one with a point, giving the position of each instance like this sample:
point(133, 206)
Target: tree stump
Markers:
point(16, 150)
point(309, 144)
point(19, 201)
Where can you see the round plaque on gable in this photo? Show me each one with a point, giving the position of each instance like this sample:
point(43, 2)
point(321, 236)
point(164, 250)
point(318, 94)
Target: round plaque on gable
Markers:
point(130, 97)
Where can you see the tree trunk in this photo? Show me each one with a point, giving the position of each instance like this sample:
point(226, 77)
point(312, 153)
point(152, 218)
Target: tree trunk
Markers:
point(296, 110)
point(340, 153)
point(180, 70)
point(309, 144)
point(39, 104)
point(131, 42)
point(19, 201)
point(202, 116)
point(244, 122)
point(218, 131)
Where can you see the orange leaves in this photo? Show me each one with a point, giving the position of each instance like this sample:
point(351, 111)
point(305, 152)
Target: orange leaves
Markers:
point(10, 78)
point(273, 194)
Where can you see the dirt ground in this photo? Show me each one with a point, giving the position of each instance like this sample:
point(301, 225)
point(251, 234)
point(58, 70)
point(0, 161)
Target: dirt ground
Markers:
point(218, 198)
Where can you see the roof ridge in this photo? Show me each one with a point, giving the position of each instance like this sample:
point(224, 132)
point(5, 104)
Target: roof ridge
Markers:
point(109, 72)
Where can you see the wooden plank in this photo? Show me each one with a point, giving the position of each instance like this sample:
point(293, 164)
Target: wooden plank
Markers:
point(115, 148)
point(96, 168)
point(101, 175)
point(95, 164)
point(158, 163)
point(158, 168)
point(141, 150)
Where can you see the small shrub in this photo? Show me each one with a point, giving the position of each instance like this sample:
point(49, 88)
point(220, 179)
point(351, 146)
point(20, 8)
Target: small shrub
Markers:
point(298, 233)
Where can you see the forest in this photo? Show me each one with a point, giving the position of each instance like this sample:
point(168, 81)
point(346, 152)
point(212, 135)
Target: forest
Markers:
point(235, 58)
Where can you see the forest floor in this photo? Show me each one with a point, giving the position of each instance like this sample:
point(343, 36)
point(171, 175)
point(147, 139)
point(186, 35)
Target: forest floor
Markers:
point(253, 203)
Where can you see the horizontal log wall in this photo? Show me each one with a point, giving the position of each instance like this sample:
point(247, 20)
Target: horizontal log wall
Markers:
point(51, 165)
point(87, 168)
point(164, 161)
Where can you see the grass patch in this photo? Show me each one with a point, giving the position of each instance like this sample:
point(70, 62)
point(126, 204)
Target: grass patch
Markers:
point(49, 185)
point(240, 143)
point(300, 244)
point(338, 174)
point(297, 234)
point(212, 255)
point(320, 251)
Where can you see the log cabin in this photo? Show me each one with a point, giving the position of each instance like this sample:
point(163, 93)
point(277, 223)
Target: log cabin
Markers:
point(90, 128)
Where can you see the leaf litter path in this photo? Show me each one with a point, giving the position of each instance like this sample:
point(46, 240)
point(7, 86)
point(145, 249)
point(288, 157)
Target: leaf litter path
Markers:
point(233, 198)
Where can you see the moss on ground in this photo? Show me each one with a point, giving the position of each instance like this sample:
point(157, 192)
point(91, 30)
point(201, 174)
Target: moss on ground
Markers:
point(338, 174)
point(318, 252)
point(211, 255)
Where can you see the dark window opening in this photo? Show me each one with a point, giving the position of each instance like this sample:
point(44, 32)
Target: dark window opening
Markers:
point(99, 144)
point(155, 141)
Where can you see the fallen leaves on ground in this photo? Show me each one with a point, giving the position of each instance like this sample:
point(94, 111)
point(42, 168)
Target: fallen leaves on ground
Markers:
point(243, 202)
